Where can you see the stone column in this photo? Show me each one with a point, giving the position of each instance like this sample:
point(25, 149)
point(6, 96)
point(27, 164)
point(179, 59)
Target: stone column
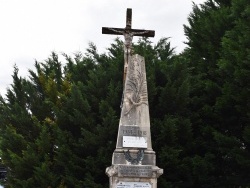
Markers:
point(134, 161)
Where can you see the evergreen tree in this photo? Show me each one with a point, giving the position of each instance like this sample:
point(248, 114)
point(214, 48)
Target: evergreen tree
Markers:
point(67, 122)
point(218, 35)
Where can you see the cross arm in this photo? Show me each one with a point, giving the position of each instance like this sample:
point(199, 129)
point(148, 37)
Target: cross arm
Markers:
point(112, 31)
point(143, 33)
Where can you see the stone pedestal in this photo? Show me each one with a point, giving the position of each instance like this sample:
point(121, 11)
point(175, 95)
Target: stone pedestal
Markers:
point(134, 161)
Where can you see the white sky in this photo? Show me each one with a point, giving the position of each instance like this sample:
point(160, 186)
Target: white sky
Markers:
point(32, 29)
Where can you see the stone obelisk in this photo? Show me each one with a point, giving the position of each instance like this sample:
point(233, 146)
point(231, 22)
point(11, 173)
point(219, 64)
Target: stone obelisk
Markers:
point(133, 161)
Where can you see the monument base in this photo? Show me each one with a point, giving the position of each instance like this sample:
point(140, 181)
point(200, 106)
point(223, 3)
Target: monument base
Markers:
point(133, 176)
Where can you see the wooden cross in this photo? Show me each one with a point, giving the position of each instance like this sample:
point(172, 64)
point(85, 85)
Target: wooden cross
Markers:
point(128, 34)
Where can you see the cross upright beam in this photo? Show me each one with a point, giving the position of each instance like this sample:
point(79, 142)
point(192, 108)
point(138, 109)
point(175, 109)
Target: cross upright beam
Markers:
point(129, 18)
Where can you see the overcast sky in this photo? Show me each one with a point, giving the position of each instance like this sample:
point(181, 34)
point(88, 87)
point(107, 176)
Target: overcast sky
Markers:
point(32, 29)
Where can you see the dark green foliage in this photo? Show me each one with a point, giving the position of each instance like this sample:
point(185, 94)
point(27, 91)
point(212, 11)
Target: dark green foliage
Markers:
point(218, 55)
point(58, 127)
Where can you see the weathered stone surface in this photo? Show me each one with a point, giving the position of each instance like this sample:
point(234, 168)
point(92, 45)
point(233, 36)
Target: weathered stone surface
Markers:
point(135, 119)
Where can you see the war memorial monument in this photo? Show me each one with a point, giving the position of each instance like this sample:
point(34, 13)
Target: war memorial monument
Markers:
point(133, 161)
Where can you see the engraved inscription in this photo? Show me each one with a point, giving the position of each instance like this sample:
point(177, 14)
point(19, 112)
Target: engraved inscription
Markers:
point(133, 185)
point(135, 171)
point(133, 131)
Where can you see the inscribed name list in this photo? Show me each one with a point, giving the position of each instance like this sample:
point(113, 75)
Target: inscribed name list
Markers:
point(135, 170)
